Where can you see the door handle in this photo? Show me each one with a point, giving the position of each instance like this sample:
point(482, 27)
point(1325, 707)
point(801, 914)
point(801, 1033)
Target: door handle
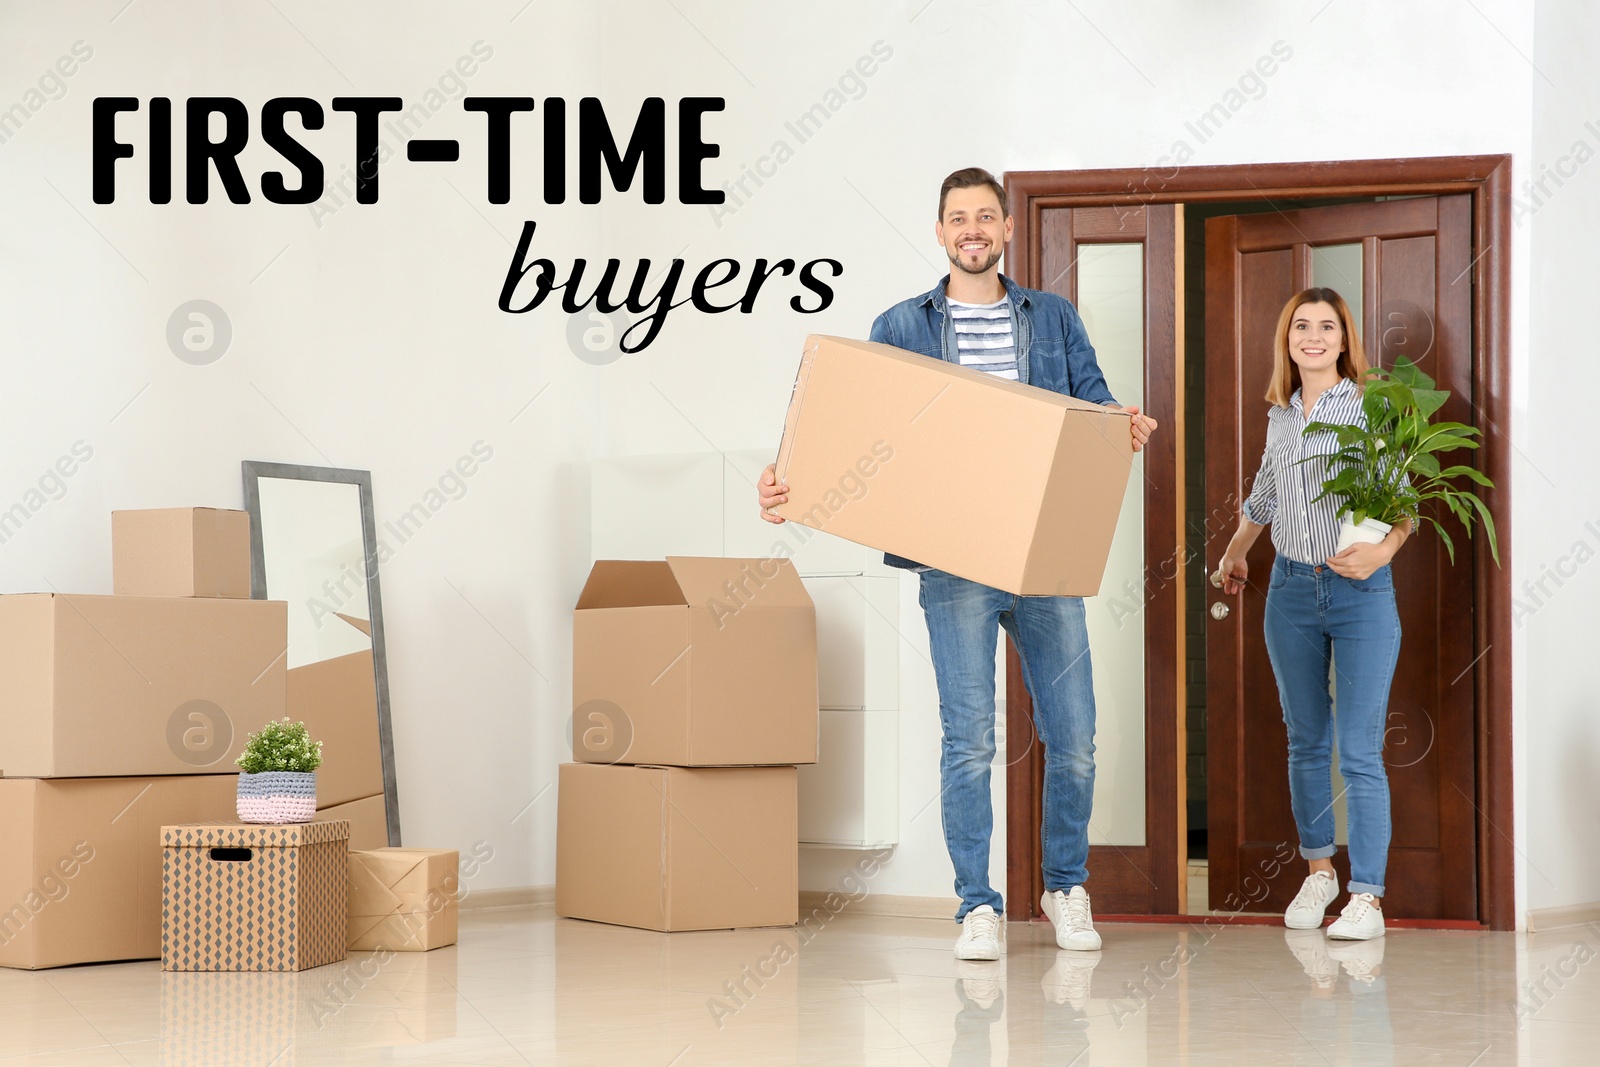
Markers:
point(1219, 611)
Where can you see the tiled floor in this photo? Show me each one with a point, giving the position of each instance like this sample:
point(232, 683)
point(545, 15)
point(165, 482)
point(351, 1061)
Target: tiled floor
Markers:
point(526, 988)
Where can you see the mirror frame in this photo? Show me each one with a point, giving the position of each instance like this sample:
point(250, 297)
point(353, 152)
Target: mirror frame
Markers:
point(254, 470)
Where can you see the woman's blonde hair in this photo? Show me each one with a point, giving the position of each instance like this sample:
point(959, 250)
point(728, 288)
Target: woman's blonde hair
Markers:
point(1285, 375)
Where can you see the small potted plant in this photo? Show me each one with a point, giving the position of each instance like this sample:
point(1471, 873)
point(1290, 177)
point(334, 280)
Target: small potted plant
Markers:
point(1388, 469)
point(278, 783)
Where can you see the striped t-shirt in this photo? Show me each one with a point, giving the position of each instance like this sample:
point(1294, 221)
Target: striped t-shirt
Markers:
point(1293, 468)
point(984, 338)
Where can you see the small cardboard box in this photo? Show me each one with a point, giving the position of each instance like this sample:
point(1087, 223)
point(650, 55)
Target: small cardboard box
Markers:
point(677, 848)
point(368, 819)
point(182, 552)
point(108, 685)
point(1011, 486)
point(80, 863)
point(403, 899)
point(694, 662)
point(337, 699)
point(254, 897)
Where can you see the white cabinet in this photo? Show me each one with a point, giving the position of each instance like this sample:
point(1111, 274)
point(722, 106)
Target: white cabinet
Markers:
point(850, 798)
point(858, 640)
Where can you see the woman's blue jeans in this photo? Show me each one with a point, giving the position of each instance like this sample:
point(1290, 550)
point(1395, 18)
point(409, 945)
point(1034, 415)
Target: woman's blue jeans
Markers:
point(1052, 639)
point(1317, 619)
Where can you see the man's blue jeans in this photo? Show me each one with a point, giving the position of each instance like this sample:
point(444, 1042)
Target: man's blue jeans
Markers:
point(1052, 639)
point(1316, 618)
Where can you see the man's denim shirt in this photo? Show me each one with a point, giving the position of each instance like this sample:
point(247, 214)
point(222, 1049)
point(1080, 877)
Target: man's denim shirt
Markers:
point(1053, 349)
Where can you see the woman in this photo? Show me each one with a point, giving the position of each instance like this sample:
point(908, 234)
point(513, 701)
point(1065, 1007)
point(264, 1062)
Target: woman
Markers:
point(1324, 608)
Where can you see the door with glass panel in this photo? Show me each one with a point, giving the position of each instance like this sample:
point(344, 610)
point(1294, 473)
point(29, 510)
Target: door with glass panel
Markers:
point(1120, 266)
point(1404, 267)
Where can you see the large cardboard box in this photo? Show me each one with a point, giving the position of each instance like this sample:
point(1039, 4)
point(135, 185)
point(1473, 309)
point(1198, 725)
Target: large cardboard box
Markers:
point(337, 699)
point(403, 899)
point(1004, 484)
point(80, 863)
point(694, 661)
point(181, 552)
point(677, 848)
point(105, 685)
point(368, 819)
point(254, 897)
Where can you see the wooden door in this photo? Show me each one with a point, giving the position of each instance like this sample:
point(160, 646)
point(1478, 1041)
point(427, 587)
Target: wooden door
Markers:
point(1126, 877)
point(1416, 289)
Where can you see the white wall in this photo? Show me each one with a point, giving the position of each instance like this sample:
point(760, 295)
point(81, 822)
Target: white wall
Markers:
point(1558, 505)
point(370, 340)
point(373, 341)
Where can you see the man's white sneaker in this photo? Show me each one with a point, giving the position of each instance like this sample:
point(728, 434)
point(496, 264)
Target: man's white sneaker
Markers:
point(1069, 914)
point(1361, 920)
point(1316, 893)
point(980, 935)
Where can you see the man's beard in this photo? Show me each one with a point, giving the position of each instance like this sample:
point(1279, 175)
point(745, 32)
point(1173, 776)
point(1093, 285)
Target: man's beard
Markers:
point(958, 261)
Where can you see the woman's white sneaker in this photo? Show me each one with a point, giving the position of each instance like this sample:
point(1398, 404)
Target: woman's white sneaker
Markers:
point(1316, 893)
point(980, 935)
point(1361, 920)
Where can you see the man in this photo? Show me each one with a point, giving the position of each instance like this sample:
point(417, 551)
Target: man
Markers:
point(979, 318)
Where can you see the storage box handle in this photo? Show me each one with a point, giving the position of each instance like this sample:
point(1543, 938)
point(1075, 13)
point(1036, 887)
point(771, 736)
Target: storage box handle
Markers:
point(232, 855)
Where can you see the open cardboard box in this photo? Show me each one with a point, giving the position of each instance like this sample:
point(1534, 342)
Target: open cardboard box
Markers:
point(694, 661)
point(1004, 484)
point(337, 699)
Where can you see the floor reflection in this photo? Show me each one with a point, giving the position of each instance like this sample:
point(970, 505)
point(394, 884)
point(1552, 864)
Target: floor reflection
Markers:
point(524, 987)
point(371, 1000)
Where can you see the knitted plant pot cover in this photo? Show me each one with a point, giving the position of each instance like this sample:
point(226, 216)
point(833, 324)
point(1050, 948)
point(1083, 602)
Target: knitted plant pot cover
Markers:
point(278, 796)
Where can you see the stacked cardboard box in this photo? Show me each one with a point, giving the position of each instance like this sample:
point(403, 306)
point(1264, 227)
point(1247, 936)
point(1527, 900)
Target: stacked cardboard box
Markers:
point(125, 713)
point(694, 697)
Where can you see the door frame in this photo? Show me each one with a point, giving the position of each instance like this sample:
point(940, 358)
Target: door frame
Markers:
point(1488, 179)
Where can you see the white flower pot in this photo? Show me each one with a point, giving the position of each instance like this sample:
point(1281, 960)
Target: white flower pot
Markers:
point(1370, 532)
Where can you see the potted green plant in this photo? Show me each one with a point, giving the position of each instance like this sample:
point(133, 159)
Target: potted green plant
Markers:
point(278, 783)
point(1386, 470)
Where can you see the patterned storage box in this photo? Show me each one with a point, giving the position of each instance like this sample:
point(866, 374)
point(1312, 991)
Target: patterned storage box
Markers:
point(239, 897)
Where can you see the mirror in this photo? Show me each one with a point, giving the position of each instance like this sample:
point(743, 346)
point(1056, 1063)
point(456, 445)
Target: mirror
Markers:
point(313, 543)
